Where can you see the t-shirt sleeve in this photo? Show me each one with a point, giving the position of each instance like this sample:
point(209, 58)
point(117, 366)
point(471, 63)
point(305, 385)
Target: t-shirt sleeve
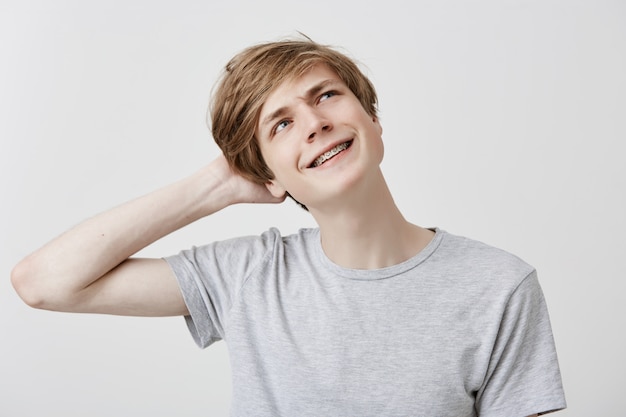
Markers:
point(210, 278)
point(523, 376)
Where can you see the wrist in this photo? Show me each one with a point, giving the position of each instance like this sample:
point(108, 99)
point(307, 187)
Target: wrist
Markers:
point(212, 188)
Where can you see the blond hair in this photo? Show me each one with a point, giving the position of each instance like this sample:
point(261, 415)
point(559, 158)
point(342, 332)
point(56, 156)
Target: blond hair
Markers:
point(251, 76)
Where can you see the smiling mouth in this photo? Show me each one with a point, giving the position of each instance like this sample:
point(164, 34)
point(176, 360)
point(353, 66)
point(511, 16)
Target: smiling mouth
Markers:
point(330, 153)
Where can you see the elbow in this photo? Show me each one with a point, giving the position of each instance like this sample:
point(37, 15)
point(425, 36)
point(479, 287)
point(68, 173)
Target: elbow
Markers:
point(29, 286)
point(23, 283)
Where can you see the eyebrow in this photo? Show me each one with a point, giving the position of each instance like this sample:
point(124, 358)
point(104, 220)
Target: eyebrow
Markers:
point(311, 92)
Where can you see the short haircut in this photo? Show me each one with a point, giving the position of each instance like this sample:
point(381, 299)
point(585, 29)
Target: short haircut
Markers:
point(251, 76)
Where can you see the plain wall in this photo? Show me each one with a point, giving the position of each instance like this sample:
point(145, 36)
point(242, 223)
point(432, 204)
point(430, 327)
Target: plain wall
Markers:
point(503, 121)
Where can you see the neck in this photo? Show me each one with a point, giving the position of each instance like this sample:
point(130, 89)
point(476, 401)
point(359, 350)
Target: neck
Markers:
point(366, 230)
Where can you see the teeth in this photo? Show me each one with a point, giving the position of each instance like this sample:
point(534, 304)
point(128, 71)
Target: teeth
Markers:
point(329, 154)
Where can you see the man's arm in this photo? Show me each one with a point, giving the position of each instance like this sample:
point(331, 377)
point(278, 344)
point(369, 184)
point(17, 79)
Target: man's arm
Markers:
point(88, 269)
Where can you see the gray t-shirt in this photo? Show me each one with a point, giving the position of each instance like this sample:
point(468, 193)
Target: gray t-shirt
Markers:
point(461, 329)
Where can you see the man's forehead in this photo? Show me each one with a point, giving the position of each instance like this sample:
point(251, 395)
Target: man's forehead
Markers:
point(300, 86)
point(300, 83)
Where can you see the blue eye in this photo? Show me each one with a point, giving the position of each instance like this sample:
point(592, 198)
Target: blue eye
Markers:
point(281, 125)
point(327, 95)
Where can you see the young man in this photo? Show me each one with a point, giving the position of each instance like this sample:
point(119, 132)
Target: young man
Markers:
point(367, 315)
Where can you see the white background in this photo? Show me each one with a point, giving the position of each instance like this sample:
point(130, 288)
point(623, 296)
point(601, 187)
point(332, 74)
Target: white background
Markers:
point(503, 121)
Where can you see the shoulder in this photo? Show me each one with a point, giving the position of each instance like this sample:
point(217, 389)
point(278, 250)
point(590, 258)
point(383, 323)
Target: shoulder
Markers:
point(253, 249)
point(242, 245)
point(274, 236)
point(481, 261)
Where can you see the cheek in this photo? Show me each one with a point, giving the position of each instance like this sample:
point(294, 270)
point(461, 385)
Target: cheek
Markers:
point(268, 160)
point(376, 138)
point(379, 148)
point(277, 159)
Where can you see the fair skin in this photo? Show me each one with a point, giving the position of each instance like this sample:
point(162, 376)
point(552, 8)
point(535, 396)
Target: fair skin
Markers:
point(354, 233)
point(56, 277)
point(360, 225)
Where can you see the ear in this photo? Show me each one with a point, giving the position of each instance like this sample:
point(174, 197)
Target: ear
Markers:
point(275, 188)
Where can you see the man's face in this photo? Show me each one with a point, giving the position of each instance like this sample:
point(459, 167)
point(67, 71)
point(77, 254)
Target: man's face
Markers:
point(317, 138)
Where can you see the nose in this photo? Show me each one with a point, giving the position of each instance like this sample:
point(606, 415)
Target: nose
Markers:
point(316, 123)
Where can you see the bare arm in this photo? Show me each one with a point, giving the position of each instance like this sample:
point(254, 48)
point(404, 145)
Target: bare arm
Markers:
point(89, 269)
